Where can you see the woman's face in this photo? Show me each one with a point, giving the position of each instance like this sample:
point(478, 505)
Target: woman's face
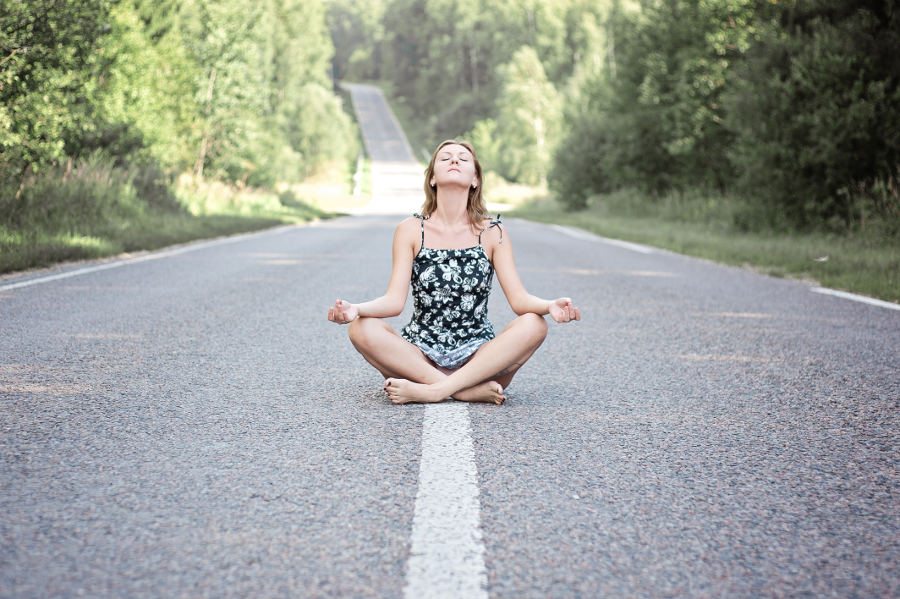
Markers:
point(454, 165)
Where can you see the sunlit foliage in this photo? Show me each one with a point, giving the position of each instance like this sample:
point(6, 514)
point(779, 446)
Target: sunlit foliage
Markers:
point(224, 89)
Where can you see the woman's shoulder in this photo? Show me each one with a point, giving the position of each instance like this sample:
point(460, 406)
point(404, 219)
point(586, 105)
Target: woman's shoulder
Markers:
point(409, 228)
point(410, 222)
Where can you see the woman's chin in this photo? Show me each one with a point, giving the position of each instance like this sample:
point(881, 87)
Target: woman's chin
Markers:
point(453, 183)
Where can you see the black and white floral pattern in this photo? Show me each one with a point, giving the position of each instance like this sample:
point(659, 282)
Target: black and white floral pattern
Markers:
point(450, 290)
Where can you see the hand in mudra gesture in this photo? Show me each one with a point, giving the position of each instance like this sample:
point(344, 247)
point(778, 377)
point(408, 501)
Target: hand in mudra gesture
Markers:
point(342, 312)
point(563, 310)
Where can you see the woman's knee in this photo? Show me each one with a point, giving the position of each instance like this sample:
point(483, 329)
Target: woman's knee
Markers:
point(535, 324)
point(362, 330)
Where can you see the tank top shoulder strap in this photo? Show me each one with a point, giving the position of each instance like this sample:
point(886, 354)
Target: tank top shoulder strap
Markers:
point(495, 222)
point(422, 222)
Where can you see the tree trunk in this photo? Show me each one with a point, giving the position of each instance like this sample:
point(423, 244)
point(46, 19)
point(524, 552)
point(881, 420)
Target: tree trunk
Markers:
point(611, 51)
point(473, 67)
point(204, 142)
point(22, 180)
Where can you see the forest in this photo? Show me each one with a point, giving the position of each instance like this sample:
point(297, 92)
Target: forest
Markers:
point(786, 112)
point(790, 109)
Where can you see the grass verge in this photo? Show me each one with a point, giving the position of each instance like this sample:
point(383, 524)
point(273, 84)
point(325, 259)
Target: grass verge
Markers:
point(23, 250)
point(107, 218)
point(868, 264)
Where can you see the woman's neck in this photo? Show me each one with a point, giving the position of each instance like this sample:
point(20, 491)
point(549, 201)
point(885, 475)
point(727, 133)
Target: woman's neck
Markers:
point(451, 207)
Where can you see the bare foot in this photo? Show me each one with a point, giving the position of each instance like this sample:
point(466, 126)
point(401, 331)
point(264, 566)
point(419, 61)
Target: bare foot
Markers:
point(486, 392)
point(403, 391)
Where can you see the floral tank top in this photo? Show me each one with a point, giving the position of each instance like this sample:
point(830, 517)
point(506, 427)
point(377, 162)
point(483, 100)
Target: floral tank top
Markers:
point(450, 290)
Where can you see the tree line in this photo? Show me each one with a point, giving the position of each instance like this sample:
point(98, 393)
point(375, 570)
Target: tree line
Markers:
point(791, 109)
point(233, 91)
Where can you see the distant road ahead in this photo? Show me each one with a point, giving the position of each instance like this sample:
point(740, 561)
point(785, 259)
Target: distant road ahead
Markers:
point(396, 173)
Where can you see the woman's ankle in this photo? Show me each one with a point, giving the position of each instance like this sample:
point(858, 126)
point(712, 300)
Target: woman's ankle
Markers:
point(441, 390)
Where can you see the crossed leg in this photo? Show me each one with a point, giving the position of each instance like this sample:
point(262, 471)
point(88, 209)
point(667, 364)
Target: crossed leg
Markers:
point(412, 377)
point(394, 356)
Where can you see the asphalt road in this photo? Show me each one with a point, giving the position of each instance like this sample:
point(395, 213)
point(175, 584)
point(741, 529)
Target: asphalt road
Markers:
point(382, 134)
point(193, 426)
point(396, 175)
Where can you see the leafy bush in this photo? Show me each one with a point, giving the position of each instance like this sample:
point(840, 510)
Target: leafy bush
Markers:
point(792, 110)
point(154, 186)
point(578, 166)
point(816, 112)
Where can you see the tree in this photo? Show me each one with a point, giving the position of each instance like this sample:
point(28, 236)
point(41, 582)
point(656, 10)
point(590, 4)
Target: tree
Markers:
point(147, 82)
point(46, 89)
point(356, 30)
point(816, 112)
point(441, 56)
point(528, 122)
point(656, 107)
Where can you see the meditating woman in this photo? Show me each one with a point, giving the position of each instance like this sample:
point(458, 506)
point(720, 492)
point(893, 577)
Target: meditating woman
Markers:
point(450, 252)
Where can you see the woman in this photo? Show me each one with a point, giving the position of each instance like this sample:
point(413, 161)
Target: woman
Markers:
point(449, 349)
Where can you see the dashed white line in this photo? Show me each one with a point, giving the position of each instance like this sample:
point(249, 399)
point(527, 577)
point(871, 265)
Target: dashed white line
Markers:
point(856, 298)
point(144, 258)
point(447, 553)
point(578, 234)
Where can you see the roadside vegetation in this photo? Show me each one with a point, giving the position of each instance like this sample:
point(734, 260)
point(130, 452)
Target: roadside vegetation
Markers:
point(704, 227)
point(96, 210)
point(134, 124)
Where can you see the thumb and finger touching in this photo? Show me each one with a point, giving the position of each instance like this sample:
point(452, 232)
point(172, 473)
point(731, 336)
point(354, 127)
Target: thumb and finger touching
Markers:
point(567, 310)
point(338, 312)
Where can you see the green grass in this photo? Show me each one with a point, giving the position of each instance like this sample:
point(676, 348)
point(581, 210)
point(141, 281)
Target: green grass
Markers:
point(23, 250)
point(865, 263)
point(88, 217)
point(20, 251)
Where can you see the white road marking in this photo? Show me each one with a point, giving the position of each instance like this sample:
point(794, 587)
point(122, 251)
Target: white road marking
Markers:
point(578, 234)
point(447, 553)
point(144, 258)
point(856, 298)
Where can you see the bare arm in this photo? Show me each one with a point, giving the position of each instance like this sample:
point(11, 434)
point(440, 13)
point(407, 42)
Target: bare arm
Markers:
point(560, 309)
point(394, 299)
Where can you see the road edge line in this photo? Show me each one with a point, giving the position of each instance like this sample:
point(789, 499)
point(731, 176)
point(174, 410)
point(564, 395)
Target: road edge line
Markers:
point(587, 236)
point(856, 298)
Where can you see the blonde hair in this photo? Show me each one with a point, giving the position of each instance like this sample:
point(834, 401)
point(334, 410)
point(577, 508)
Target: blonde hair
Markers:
point(475, 206)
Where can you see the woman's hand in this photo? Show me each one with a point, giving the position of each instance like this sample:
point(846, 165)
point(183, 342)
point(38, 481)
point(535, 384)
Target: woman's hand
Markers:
point(343, 312)
point(563, 310)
